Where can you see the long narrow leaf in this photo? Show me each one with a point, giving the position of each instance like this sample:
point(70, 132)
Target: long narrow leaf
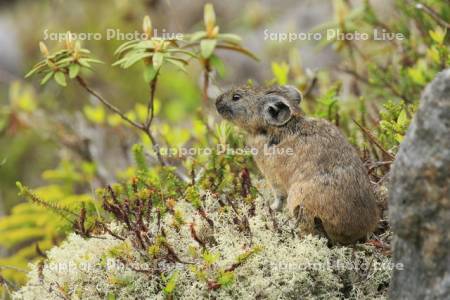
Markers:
point(176, 63)
point(124, 45)
point(231, 38)
point(135, 59)
point(47, 77)
point(158, 59)
point(238, 49)
point(60, 78)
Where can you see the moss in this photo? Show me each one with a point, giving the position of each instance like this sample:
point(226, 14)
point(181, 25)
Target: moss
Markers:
point(243, 264)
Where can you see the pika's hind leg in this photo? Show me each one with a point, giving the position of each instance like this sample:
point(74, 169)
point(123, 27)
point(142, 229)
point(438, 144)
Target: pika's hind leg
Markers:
point(305, 212)
point(304, 220)
point(307, 223)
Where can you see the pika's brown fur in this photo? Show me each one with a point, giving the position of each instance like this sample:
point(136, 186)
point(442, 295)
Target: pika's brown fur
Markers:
point(308, 162)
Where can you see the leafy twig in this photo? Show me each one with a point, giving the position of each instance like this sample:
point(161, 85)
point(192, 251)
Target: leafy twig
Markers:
point(429, 11)
point(374, 140)
point(105, 102)
point(143, 127)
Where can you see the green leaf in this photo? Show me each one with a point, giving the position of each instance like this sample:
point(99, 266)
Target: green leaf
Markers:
point(135, 57)
point(402, 119)
point(120, 61)
point(74, 69)
point(147, 25)
point(177, 63)
point(47, 77)
point(171, 283)
point(20, 187)
point(399, 138)
point(37, 68)
point(111, 296)
point(218, 65)
point(231, 38)
point(132, 58)
point(60, 78)
point(93, 60)
point(226, 278)
point(438, 35)
point(174, 50)
point(84, 50)
point(433, 53)
point(150, 73)
point(158, 59)
point(416, 74)
point(280, 71)
point(84, 63)
point(32, 71)
point(244, 256)
point(198, 36)
point(183, 61)
point(207, 47)
point(238, 49)
point(145, 45)
point(125, 46)
point(209, 16)
point(210, 258)
point(64, 61)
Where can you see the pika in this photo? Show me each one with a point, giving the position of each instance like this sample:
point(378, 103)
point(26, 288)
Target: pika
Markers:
point(315, 172)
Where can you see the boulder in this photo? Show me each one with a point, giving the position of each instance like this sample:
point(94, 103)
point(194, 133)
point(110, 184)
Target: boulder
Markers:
point(419, 202)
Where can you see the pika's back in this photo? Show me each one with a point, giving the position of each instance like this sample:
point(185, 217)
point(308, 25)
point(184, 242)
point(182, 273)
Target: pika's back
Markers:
point(321, 174)
point(331, 182)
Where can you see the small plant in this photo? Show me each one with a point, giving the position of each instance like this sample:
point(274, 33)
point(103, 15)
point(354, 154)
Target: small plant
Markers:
point(395, 120)
point(153, 52)
point(209, 40)
point(74, 62)
point(66, 62)
point(197, 244)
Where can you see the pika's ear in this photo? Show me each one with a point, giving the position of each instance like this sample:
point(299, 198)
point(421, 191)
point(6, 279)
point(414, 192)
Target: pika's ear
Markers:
point(293, 93)
point(276, 111)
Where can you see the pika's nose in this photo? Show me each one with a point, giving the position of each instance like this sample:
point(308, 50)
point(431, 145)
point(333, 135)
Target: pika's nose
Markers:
point(219, 100)
point(219, 103)
point(222, 108)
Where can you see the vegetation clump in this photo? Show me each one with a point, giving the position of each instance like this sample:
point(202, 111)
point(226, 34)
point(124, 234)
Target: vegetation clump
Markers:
point(199, 244)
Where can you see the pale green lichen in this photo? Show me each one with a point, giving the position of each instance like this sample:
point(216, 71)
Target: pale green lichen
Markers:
point(274, 264)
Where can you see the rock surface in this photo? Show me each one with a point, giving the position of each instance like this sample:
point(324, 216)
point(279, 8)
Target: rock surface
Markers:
point(419, 200)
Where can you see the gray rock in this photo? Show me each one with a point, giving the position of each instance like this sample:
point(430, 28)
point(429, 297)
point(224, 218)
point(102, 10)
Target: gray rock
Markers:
point(10, 54)
point(419, 200)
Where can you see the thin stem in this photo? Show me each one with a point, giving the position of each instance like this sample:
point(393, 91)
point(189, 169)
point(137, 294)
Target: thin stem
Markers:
point(149, 120)
point(156, 147)
point(429, 11)
point(206, 80)
point(151, 101)
point(110, 106)
point(374, 140)
point(143, 127)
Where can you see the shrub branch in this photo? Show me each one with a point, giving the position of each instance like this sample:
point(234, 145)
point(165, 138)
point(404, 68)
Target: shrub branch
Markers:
point(143, 127)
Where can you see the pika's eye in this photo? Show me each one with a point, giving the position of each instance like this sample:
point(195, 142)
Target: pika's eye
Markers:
point(236, 97)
